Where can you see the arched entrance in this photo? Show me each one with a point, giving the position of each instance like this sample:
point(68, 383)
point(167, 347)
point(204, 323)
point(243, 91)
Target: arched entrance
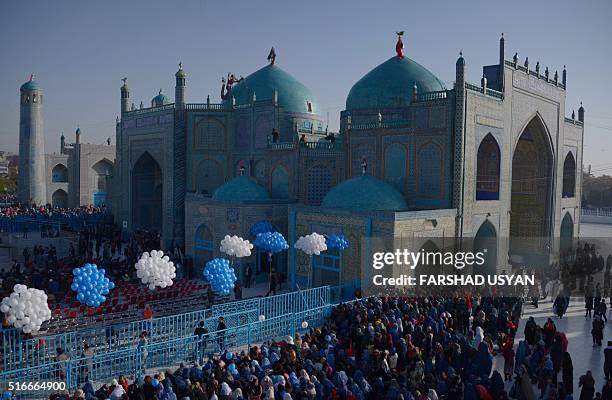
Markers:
point(531, 196)
point(147, 194)
point(485, 241)
point(487, 169)
point(566, 236)
point(59, 199)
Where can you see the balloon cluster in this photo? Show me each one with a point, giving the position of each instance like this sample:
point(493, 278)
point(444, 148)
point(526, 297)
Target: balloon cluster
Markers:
point(220, 275)
point(311, 244)
point(155, 269)
point(235, 246)
point(272, 242)
point(91, 285)
point(26, 308)
point(261, 227)
point(337, 242)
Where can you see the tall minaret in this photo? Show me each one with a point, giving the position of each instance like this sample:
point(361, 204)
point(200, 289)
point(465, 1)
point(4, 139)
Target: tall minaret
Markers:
point(32, 181)
point(179, 89)
point(125, 96)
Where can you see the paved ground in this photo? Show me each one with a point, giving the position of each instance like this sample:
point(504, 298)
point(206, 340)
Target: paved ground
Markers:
point(578, 331)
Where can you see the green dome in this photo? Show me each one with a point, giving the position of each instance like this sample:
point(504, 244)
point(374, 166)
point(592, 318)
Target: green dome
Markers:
point(366, 193)
point(390, 85)
point(241, 188)
point(31, 85)
point(160, 99)
point(292, 94)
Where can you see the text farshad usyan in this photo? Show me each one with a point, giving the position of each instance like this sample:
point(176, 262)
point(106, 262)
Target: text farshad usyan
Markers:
point(454, 280)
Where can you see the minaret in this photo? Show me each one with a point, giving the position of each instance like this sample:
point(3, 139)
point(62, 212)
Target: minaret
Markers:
point(32, 177)
point(62, 143)
point(77, 135)
point(125, 97)
point(502, 56)
point(581, 113)
point(179, 89)
point(458, 167)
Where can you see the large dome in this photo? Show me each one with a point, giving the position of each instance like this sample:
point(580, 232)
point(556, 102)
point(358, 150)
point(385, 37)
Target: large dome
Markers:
point(366, 193)
point(390, 85)
point(241, 188)
point(292, 94)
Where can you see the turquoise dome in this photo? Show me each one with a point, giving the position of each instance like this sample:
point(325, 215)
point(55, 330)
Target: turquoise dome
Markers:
point(30, 85)
point(390, 85)
point(160, 99)
point(241, 188)
point(292, 94)
point(364, 192)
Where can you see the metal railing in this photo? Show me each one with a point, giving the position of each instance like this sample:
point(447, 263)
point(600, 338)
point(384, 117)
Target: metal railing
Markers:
point(20, 352)
point(20, 223)
point(138, 357)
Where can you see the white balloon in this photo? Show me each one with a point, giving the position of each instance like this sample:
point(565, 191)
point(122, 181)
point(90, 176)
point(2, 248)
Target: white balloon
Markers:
point(262, 318)
point(236, 246)
point(311, 244)
point(26, 308)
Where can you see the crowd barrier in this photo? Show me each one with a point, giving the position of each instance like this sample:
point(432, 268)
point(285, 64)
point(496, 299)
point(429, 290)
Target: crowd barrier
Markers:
point(32, 223)
point(19, 352)
point(135, 359)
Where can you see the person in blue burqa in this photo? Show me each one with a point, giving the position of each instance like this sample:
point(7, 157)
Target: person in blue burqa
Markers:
point(484, 361)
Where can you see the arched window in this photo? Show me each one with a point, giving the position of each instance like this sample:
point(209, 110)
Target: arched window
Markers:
point(395, 166)
point(566, 236)
point(280, 183)
point(430, 171)
point(59, 174)
point(569, 176)
point(487, 169)
point(485, 242)
point(59, 199)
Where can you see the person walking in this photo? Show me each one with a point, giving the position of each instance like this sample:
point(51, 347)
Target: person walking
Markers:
point(588, 386)
point(221, 327)
point(597, 330)
point(568, 373)
point(273, 284)
point(608, 361)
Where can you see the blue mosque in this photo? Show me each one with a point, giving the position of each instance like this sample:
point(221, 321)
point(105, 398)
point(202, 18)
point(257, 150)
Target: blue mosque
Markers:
point(414, 161)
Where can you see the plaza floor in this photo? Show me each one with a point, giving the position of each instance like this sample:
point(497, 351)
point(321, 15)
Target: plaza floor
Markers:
point(578, 331)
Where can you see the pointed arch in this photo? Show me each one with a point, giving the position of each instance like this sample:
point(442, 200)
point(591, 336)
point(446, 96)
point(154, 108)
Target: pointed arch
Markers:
point(147, 185)
point(485, 242)
point(569, 176)
point(59, 199)
point(488, 169)
point(531, 194)
point(59, 173)
point(566, 234)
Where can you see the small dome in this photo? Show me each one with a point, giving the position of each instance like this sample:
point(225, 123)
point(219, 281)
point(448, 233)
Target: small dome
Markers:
point(364, 192)
point(241, 188)
point(31, 84)
point(160, 99)
point(390, 85)
point(292, 94)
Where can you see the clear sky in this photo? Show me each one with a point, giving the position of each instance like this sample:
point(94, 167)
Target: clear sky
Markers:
point(80, 50)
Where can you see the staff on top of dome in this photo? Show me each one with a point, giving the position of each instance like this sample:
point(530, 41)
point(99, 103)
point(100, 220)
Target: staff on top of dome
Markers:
point(272, 55)
point(399, 46)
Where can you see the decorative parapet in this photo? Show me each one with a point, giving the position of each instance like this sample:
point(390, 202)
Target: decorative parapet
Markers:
point(488, 92)
point(431, 96)
point(149, 110)
point(573, 121)
point(282, 146)
point(206, 106)
point(544, 77)
point(403, 123)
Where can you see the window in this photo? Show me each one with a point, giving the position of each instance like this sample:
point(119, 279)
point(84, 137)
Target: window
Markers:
point(487, 169)
point(569, 176)
point(319, 183)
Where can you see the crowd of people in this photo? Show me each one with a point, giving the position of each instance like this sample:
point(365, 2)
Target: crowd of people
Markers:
point(385, 348)
point(48, 210)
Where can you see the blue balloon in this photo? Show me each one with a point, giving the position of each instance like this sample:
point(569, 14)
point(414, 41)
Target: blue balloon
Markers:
point(271, 242)
point(336, 242)
point(91, 284)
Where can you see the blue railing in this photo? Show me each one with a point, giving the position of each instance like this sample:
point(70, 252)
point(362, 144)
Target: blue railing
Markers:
point(32, 223)
point(19, 352)
point(133, 360)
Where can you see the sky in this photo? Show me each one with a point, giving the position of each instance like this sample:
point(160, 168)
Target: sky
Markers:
point(80, 50)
